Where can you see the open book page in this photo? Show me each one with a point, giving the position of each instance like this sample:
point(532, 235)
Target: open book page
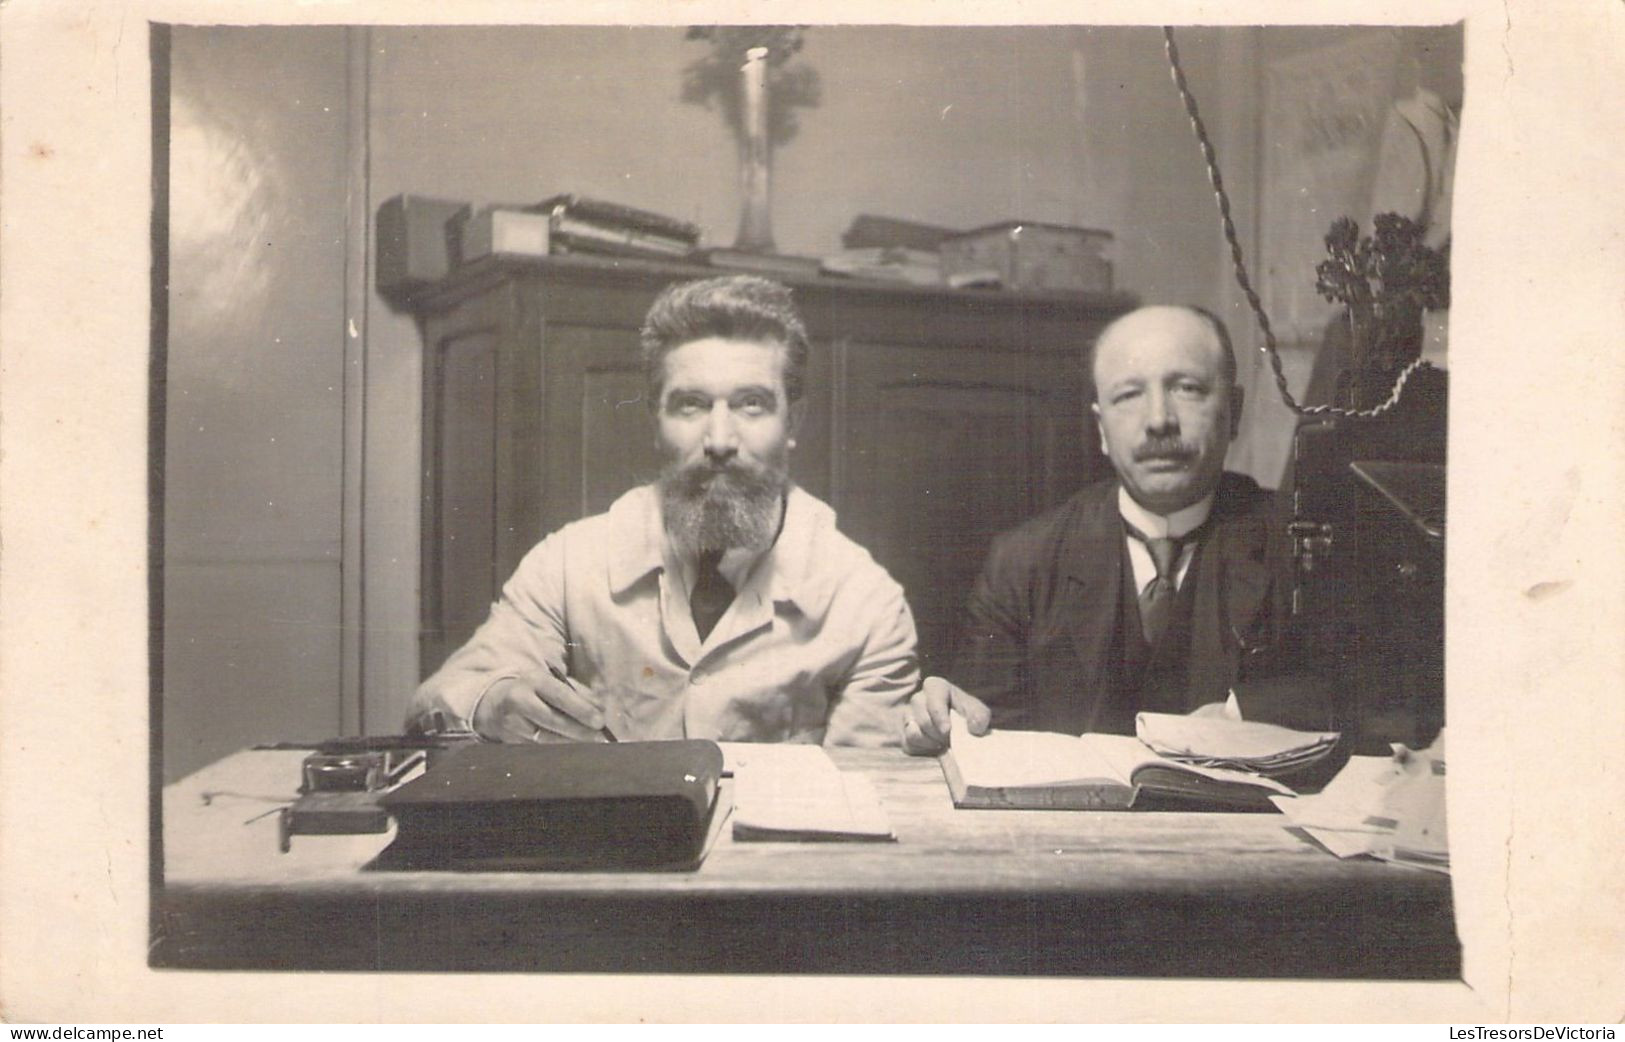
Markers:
point(778, 759)
point(1029, 759)
point(795, 792)
point(735, 753)
point(1122, 753)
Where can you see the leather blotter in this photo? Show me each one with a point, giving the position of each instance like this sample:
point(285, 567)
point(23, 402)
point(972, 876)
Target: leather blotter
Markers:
point(628, 805)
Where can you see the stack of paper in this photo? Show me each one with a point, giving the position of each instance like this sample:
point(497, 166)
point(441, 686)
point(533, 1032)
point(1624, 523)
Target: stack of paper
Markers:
point(1385, 807)
point(1241, 745)
point(796, 793)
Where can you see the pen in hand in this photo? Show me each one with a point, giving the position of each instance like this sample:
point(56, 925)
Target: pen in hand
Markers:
point(559, 675)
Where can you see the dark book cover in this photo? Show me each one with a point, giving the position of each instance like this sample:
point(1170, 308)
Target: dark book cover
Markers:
point(872, 231)
point(628, 805)
point(617, 216)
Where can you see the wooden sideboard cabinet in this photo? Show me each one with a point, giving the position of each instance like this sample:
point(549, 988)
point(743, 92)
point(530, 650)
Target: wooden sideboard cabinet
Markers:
point(936, 418)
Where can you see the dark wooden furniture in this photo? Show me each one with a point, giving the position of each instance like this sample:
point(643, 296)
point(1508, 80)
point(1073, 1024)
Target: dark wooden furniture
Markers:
point(1368, 510)
point(936, 419)
point(960, 892)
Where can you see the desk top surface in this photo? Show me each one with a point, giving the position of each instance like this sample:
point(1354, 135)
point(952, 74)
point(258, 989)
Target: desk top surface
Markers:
point(221, 835)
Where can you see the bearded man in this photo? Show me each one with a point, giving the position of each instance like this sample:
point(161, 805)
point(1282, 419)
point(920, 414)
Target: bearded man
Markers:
point(720, 602)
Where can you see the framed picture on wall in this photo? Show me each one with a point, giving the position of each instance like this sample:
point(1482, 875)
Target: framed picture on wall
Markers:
point(1323, 116)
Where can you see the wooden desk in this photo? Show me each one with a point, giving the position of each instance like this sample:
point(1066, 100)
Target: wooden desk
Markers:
point(961, 892)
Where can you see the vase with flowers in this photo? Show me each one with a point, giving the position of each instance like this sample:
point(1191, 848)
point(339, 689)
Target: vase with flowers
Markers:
point(1385, 282)
point(751, 76)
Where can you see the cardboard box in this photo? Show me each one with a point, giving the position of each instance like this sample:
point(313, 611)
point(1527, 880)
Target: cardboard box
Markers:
point(1029, 255)
point(496, 231)
point(414, 243)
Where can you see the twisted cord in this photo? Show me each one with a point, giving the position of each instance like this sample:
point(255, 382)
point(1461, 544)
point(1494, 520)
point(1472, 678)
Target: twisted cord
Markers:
point(1270, 347)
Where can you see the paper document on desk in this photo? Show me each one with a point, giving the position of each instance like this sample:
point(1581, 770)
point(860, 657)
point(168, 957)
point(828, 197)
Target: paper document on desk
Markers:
point(1387, 807)
point(796, 793)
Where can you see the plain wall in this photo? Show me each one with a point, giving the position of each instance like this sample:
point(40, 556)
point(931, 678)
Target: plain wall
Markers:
point(253, 449)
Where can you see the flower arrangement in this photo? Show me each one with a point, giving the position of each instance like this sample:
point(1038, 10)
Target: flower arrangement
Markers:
point(714, 79)
point(1384, 282)
point(750, 75)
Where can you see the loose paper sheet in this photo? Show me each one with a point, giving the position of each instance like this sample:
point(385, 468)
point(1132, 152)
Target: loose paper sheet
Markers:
point(797, 792)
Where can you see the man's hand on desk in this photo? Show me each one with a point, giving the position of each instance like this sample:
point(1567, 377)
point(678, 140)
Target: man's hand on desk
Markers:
point(925, 718)
point(537, 707)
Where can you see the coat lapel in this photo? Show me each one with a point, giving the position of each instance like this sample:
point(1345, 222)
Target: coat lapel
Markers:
point(1088, 602)
point(1241, 537)
point(1233, 585)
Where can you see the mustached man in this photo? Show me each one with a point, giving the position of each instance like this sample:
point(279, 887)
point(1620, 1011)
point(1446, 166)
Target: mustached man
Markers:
point(1151, 590)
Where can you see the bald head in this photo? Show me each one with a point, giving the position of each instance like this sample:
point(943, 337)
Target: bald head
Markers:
point(1168, 406)
point(1175, 321)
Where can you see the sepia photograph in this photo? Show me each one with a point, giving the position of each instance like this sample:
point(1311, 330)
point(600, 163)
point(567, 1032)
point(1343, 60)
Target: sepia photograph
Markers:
point(639, 512)
point(833, 499)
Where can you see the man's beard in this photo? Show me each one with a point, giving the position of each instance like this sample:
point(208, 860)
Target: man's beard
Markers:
point(718, 507)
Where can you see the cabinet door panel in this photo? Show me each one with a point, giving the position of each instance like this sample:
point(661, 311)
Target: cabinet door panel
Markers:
point(617, 436)
point(939, 450)
point(599, 434)
point(479, 404)
point(466, 499)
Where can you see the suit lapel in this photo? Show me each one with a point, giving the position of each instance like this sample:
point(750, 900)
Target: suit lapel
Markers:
point(1232, 586)
point(1245, 583)
point(1244, 576)
point(1089, 601)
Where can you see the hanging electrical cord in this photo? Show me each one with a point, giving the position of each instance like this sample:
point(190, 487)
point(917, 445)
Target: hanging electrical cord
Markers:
point(1270, 346)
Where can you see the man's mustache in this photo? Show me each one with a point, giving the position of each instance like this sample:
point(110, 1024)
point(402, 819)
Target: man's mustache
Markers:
point(696, 478)
point(1165, 447)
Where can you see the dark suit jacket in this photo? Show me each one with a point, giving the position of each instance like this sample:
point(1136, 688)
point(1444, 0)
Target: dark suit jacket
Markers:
point(1041, 643)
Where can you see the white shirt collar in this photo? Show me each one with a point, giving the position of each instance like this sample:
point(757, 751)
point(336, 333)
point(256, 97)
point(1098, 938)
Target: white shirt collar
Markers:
point(1156, 526)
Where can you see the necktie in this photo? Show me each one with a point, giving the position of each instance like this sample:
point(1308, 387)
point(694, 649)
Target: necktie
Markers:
point(1157, 599)
point(711, 594)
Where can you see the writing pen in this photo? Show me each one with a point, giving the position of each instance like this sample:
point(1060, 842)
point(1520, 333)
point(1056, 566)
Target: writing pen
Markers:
point(558, 674)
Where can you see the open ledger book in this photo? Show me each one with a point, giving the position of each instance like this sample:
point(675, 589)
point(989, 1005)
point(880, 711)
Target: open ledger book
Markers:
point(1038, 770)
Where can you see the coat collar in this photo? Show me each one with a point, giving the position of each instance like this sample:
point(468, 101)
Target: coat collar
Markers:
point(1091, 547)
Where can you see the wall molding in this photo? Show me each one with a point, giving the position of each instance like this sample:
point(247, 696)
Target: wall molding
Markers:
point(358, 208)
